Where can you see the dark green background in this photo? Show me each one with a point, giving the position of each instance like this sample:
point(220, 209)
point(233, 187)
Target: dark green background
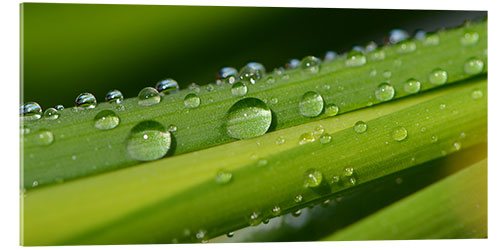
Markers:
point(72, 48)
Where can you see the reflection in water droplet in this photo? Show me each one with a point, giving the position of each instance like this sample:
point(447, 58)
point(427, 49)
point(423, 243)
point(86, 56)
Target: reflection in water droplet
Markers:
point(172, 128)
point(312, 178)
point(106, 119)
point(296, 213)
point(438, 77)
point(239, 89)
point(335, 179)
point(276, 210)
point(331, 110)
point(384, 92)
point(192, 101)
point(399, 133)
point(311, 104)
point(148, 96)
point(148, 141)
point(255, 219)
point(306, 138)
point(44, 137)
point(114, 96)
point(85, 101)
point(355, 59)
point(412, 86)
point(247, 118)
point(59, 107)
point(51, 114)
point(310, 64)
point(252, 72)
point(228, 75)
point(167, 86)
point(434, 139)
point(360, 127)
point(473, 66)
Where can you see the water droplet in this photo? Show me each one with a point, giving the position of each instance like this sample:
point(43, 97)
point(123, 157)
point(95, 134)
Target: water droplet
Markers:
point(59, 107)
point(335, 179)
point(252, 72)
point(106, 119)
point(360, 127)
point(352, 181)
point(457, 145)
point(255, 219)
point(431, 40)
point(306, 138)
point(477, 94)
point(34, 184)
point(310, 64)
point(247, 118)
point(311, 104)
point(355, 59)
point(407, 47)
point(262, 163)
point(51, 114)
point(412, 86)
point(228, 75)
point(348, 171)
point(420, 35)
point(473, 66)
point(223, 177)
point(276, 210)
point(270, 79)
point(399, 133)
point(114, 96)
point(172, 128)
point(312, 178)
point(148, 141)
point(293, 63)
point(387, 74)
point(331, 110)
point(442, 106)
point(167, 86)
point(324, 139)
point(191, 101)
point(469, 38)
point(319, 130)
point(384, 92)
point(397, 35)
point(239, 89)
point(438, 76)
point(370, 47)
point(44, 137)
point(230, 234)
point(280, 140)
point(297, 213)
point(31, 111)
point(377, 55)
point(149, 96)
point(434, 139)
point(330, 56)
point(298, 198)
point(194, 87)
point(274, 100)
point(463, 135)
point(85, 101)
point(201, 234)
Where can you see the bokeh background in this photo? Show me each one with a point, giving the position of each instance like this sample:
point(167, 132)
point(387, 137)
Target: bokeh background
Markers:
point(72, 48)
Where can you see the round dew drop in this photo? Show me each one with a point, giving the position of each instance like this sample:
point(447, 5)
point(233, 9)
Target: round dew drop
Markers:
point(44, 137)
point(477, 94)
point(407, 47)
point(297, 213)
point(239, 89)
point(298, 198)
point(148, 141)
point(331, 110)
point(148, 96)
point(360, 127)
point(106, 119)
point(192, 101)
point(438, 77)
point(114, 96)
point(310, 64)
point(276, 210)
point(59, 107)
point(247, 118)
point(384, 92)
point(399, 133)
point(255, 219)
point(324, 139)
point(167, 86)
point(412, 86)
point(311, 104)
point(355, 59)
point(85, 101)
point(473, 66)
point(469, 38)
point(31, 111)
point(51, 114)
point(228, 75)
point(312, 178)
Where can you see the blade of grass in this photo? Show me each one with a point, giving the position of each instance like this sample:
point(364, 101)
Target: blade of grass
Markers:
point(79, 149)
point(177, 199)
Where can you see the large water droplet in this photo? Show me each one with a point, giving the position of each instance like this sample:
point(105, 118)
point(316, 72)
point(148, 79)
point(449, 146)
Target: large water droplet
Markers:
point(106, 119)
point(239, 89)
point(312, 178)
point(44, 137)
point(191, 101)
point(406, 47)
point(149, 96)
point(310, 64)
point(412, 86)
point(85, 101)
point(473, 66)
point(469, 38)
point(228, 75)
point(438, 76)
point(167, 86)
point(223, 177)
point(331, 110)
point(148, 141)
point(399, 133)
point(51, 114)
point(360, 127)
point(384, 92)
point(311, 104)
point(114, 96)
point(247, 118)
point(355, 59)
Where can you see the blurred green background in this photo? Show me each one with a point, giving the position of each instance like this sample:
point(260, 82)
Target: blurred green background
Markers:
point(72, 48)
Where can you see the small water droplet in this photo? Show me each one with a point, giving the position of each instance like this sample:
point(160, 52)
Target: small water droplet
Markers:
point(442, 106)
point(280, 140)
point(463, 135)
point(223, 177)
point(406, 47)
point(306, 138)
point(384, 92)
point(274, 100)
point(201, 234)
point(387, 74)
point(434, 139)
point(270, 79)
point(148, 96)
point(324, 139)
point(330, 56)
point(148, 141)
point(106, 119)
point(34, 184)
point(192, 101)
point(438, 76)
point(371, 46)
point(228, 75)
point(44, 137)
point(399, 133)
point(167, 86)
point(352, 181)
point(297, 213)
point(348, 171)
point(311, 104)
point(473, 66)
point(276, 210)
point(172, 128)
point(397, 35)
point(194, 87)
point(114, 96)
point(310, 64)
point(319, 130)
point(419, 35)
point(239, 89)
point(230, 234)
point(247, 118)
point(293, 63)
point(335, 179)
point(59, 107)
point(262, 163)
point(312, 178)
point(51, 114)
point(412, 86)
point(255, 219)
point(360, 127)
point(377, 55)
point(355, 59)
point(331, 110)
point(431, 40)
point(457, 145)
point(252, 72)
point(469, 38)
point(85, 101)
point(298, 198)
